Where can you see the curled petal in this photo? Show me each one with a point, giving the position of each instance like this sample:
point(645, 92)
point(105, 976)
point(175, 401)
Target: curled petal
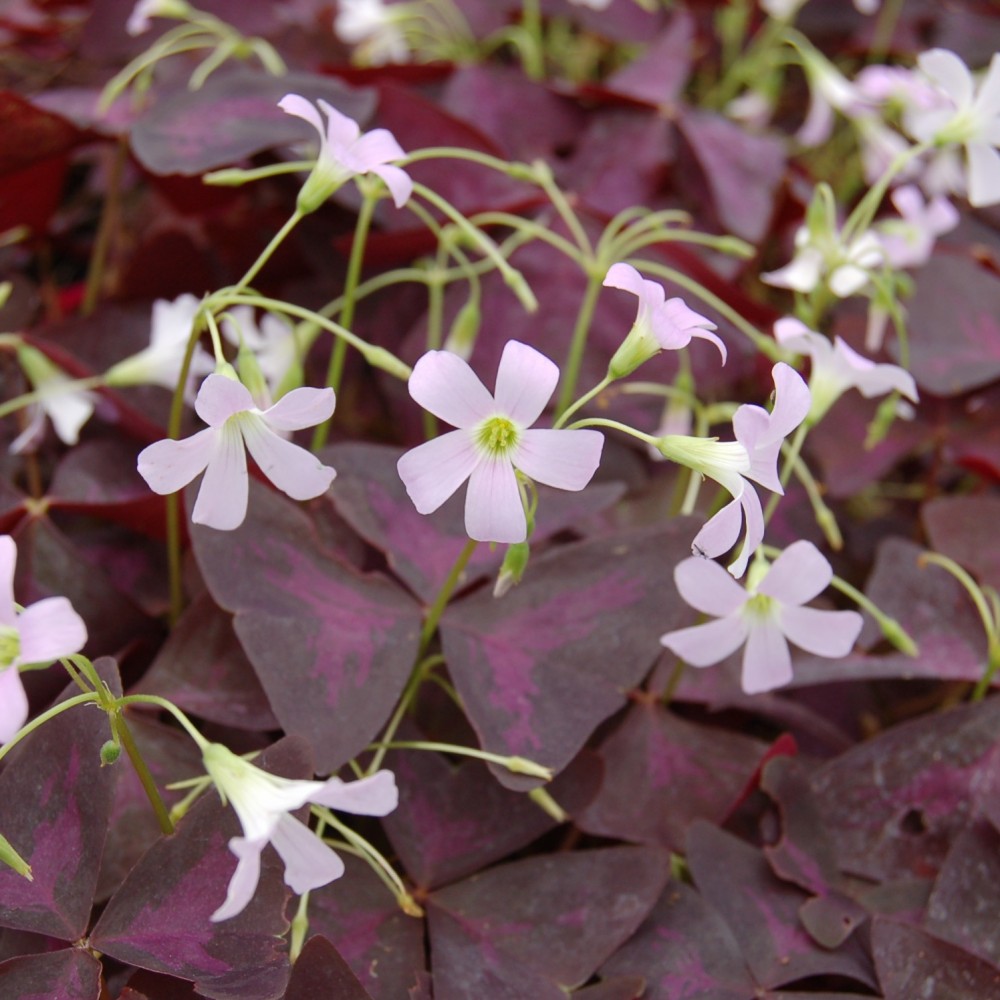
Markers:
point(444, 384)
point(493, 508)
point(719, 533)
point(243, 884)
point(708, 588)
point(526, 379)
point(767, 663)
point(566, 459)
point(13, 704)
point(295, 471)
point(309, 863)
point(824, 633)
point(341, 130)
point(398, 181)
point(375, 795)
point(797, 575)
point(433, 471)
point(168, 466)
point(222, 499)
point(50, 629)
point(293, 104)
point(754, 517)
point(375, 148)
point(703, 645)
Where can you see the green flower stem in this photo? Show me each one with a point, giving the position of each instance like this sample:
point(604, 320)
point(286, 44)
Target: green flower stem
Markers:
point(516, 765)
point(265, 255)
point(110, 212)
point(702, 423)
point(533, 231)
point(864, 212)
point(64, 706)
point(37, 395)
point(124, 734)
point(630, 243)
point(153, 699)
point(81, 665)
point(747, 66)
point(885, 25)
point(548, 805)
point(545, 180)
point(582, 401)
point(435, 611)
point(578, 343)
point(300, 922)
point(519, 171)
point(335, 371)
point(673, 682)
point(763, 343)
point(616, 426)
point(824, 516)
point(235, 177)
point(636, 218)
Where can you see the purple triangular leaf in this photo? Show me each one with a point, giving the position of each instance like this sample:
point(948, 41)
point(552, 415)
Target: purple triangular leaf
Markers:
point(71, 974)
point(320, 972)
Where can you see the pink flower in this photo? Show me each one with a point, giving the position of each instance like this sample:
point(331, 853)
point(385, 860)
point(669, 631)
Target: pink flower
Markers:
point(909, 240)
point(493, 440)
point(235, 424)
point(837, 367)
point(263, 802)
point(765, 616)
point(345, 153)
point(660, 323)
point(40, 633)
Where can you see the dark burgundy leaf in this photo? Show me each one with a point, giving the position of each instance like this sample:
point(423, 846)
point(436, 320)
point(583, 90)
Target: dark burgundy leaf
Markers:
point(911, 963)
point(320, 972)
point(763, 913)
point(555, 916)
point(233, 116)
point(539, 669)
point(662, 773)
point(71, 974)
point(625, 988)
point(964, 529)
point(57, 799)
point(30, 134)
point(659, 74)
point(326, 642)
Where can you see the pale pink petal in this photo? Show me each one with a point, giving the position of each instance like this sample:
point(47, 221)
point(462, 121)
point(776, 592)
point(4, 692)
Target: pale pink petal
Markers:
point(564, 459)
point(493, 508)
point(797, 575)
point(309, 863)
point(375, 148)
point(824, 633)
point(792, 400)
point(628, 279)
point(708, 588)
point(767, 663)
point(219, 398)
point(13, 704)
point(168, 466)
point(949, 72)
point(444, 384)
point(68, 410)
point(848, 279)
point(795, 336)
point(818, 126)
point(222, 499)
point(398, 181)
point(375, 795)
point(752, 427)
point(50, 629)
point(720, 532)
point(294, 470)
point(8, 559)
point(872, 379)
point(703, 645)
point(341, 130)
point(988, 96)
point(301, 408)
point(243, 884)
point(801, 274)
point(433, 471)
point(293, 104)
point(984, 174)
point(753, 514)
point(526, 380)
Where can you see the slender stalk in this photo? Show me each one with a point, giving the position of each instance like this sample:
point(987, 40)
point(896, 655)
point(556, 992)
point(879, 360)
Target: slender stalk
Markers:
point(102, 241)
point(142, 771)
point(574, 357)
point(265, 255)
point(582, 401)
point(435, 611)
point(153, 699)
point(64, 706)
point(516, 765)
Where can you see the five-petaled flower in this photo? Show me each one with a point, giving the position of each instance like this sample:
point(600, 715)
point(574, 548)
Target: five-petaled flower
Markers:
point(766, 616)
point(234, 422)
point(345, 153)
point(40, 633)
point(753, 455)
point(661, 324)
point(264, 802)
point(493, 440)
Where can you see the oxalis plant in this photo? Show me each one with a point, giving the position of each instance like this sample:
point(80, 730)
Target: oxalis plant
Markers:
point(497, 500)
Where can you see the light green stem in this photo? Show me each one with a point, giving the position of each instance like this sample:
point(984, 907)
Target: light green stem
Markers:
point(582, 401)
point(516, 765)
point(186, 723)
point(63, 706)
point(265, 255)
point(574, 358)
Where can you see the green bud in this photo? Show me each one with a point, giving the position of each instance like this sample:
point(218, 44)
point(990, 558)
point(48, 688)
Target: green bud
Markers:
point(521, 765)
point(12, 859)
point(379, 357)
point(110, 752)
point(636, 349)
point(252, 377)
point(512, 570)
point(5, 289)
point(821, 216)
point(36, 365)
point(462, 336)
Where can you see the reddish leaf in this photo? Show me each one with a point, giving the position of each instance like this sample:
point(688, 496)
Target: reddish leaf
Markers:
point(71, 974)
point(320, 972)
point(659, 74)
point(964, 529)
point(30, 134)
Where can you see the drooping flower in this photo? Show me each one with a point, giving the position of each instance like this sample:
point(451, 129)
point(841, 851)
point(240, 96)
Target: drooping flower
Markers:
point(345, 153)
point(264, 803)
point(493, 440)
point(373, 27)
point(661, 324)
point(160, 363)
point(753, 455)
point(909, 240)
point(971, 120)
point(235, 426)
point(40, 633)
point(837, 367)
point(829, 91)
point(765, 616)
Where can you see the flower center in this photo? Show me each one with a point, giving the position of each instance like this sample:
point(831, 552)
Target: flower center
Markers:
point(497, 436)
point(10, 645)
point(759, 606)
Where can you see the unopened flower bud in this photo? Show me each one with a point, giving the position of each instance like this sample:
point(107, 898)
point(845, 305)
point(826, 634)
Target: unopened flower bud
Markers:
point(110, 752)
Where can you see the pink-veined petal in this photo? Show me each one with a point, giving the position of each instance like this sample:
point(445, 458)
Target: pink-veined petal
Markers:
point(293, 104)
point(561, 458)
point(8, 559)
point(168, 466)
point(13, 704)
point(703, 645)
point(797, 575)
point(300, 408)
point(871, 379)
point(375, 795)
point(219, 398)
point(446, 386)
point(493, 509)
point(398, 181)
point(431, 472)
point(824, 633)
point(243, 884)
point(984, 174)
point(767, 663)
point(708, 588)
point(294, 470)
point(949, 72)
point(50, 629)
point(526, 379)
point(309, 863)
point(222, 499)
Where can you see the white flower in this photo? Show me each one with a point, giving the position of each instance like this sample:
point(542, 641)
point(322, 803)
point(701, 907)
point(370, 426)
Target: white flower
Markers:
point(263, 802)
point(372, 26)
point(909, 240)
point(138, 20)
point(272, 342)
